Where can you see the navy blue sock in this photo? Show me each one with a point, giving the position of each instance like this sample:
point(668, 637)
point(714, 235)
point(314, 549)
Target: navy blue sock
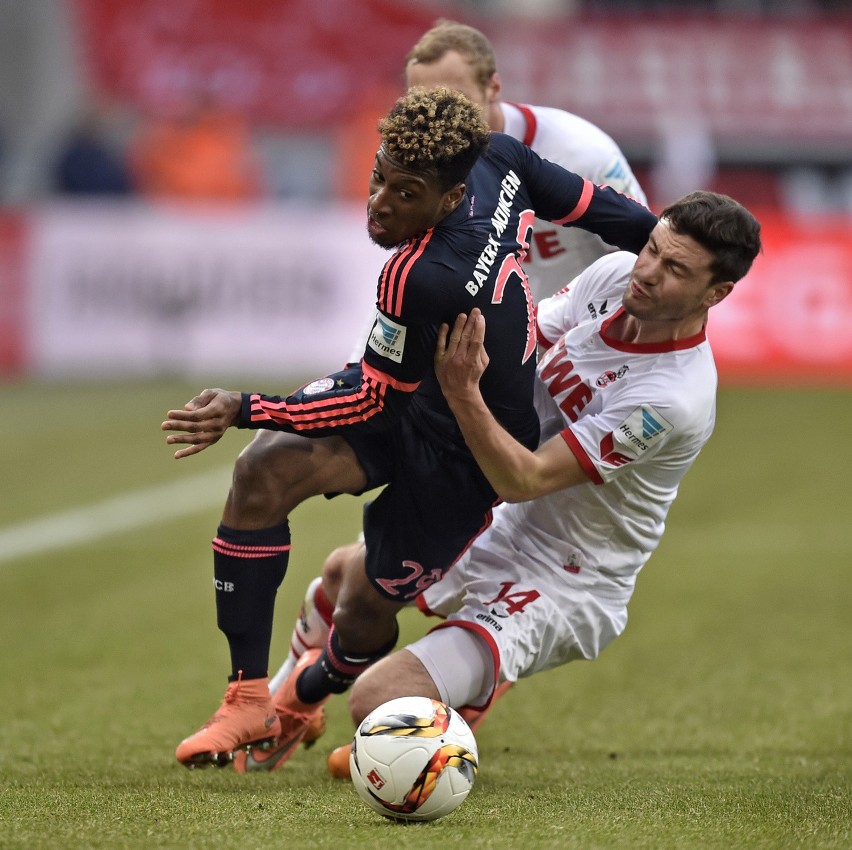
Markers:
point(335, 670)
point(248, 568)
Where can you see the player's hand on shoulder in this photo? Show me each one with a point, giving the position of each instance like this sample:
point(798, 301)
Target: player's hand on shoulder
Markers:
point(460, 355)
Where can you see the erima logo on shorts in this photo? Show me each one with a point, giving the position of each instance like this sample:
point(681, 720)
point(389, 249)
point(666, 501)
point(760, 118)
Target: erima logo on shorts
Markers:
point(642, 428)
point(387, 338)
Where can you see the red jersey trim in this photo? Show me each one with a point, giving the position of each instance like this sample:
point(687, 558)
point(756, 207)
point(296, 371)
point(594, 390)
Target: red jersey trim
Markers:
point(543, 341)
point(357, 407)
point(383, 378)
point(530, 121)
point(395, 273)
point(648, 347)
point(424, 608)
point(582, 205)
point(362, 404)
point(582, 457)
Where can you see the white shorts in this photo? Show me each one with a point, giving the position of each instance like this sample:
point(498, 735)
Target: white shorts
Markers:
point(532, 613)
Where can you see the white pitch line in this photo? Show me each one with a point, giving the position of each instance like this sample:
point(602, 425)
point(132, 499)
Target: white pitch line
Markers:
point(112, 516)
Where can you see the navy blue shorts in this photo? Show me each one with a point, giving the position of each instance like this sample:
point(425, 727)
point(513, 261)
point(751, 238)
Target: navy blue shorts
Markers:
point(435, 503)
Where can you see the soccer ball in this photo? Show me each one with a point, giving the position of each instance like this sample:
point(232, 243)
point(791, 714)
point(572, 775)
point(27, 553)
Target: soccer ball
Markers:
point(413, 759)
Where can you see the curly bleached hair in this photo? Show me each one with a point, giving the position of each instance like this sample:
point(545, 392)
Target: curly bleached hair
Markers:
point(435, 132)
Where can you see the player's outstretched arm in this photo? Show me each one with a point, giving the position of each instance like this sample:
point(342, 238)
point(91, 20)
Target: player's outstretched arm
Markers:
point(204, 419)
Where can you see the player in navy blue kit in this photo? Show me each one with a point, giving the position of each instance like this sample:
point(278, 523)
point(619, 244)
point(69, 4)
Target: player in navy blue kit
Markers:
point(458, 204)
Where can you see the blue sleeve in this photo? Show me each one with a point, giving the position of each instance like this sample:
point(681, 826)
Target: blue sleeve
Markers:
point(569, 200)
point(357, 397)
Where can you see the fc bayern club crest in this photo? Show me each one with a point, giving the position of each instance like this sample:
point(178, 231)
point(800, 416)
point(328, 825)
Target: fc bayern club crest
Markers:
point(323, 385)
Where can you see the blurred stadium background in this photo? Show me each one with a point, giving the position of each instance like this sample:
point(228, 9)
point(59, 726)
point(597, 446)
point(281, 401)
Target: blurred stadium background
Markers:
point(195, 169)
point(182, 203)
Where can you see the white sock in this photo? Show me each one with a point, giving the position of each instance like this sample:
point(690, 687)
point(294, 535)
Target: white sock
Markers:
point(309, 632)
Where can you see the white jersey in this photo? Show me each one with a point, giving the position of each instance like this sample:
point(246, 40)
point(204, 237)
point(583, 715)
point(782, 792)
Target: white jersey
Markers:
point(559, 254)
point(549, 581)
point(635, 415)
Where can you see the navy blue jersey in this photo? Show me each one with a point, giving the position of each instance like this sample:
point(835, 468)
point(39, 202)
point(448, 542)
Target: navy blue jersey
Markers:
point(471, 258)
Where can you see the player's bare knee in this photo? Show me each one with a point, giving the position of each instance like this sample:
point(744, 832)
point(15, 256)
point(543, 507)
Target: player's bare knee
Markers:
point(374, 686)
point(397, 675)
point(359, 701)
point(336, 565)
point(250, 472)
point(273, 474)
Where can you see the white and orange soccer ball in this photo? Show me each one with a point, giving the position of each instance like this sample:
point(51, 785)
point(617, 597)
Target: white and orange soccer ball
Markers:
point(414, 759)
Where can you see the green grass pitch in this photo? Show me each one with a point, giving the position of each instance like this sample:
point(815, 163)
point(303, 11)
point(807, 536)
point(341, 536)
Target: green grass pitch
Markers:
point(722, 718)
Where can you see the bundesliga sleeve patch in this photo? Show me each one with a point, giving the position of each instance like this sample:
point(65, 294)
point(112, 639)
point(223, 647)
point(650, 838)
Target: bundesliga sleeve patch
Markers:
point(387, 338)
point(616, 175)
point(641, 430)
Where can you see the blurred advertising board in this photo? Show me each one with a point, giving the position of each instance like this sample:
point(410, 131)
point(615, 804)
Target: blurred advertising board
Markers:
point(288, 63)
point(790, 318)
point(761, 87)
point(288, 289)
point(13, 293)
point(139, 290)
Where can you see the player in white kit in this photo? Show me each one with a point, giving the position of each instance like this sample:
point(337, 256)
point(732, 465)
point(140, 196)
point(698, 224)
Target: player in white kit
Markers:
point(461, 57)
point(550, 580)
point(626, 397)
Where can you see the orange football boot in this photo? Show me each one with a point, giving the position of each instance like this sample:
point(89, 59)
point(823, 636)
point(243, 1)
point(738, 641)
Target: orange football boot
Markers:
point(295, 717)
point(245, 718)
